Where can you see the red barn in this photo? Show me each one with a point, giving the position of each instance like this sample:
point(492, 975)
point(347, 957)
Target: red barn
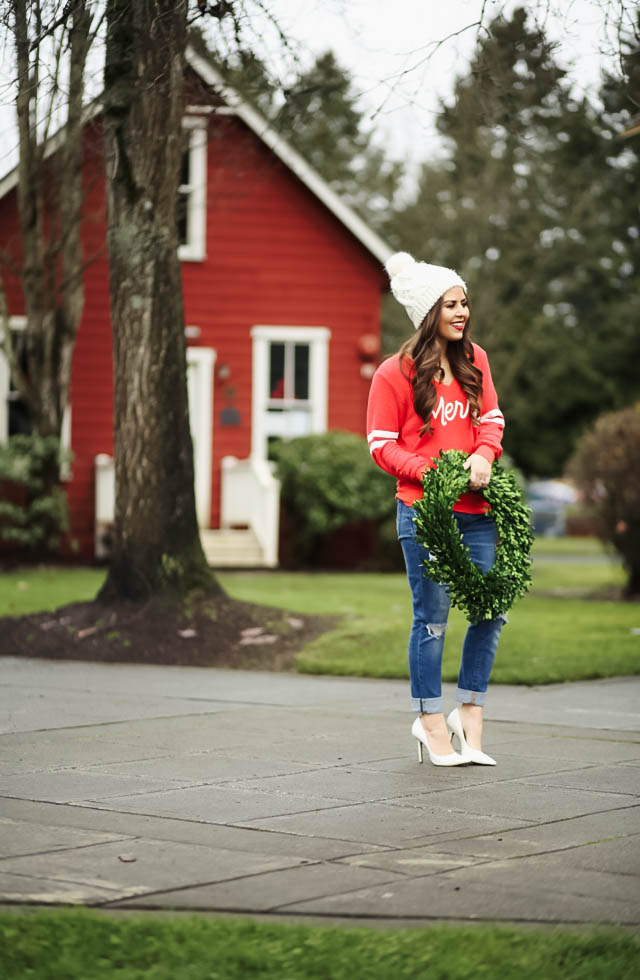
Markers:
point(282, 285)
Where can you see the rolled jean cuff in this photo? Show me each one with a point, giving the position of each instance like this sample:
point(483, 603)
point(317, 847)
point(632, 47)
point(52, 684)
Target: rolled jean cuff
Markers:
point(427, 706)
point(471, 697)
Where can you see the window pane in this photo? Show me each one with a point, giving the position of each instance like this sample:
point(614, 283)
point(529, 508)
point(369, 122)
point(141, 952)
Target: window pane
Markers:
point(185, 168)
point(19, 419)
point(301, 372)
point(183, 224)
point(276, 371)
point(19, 415)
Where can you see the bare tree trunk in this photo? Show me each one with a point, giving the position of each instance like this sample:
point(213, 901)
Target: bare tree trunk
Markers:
point(157, 544)
point(49, 209)
point(48, 36)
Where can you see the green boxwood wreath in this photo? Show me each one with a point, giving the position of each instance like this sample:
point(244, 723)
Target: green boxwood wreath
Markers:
point(449, 562)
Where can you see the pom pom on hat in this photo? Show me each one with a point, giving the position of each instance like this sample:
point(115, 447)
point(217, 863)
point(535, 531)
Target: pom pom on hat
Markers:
point(418, 285)
point(400, 264)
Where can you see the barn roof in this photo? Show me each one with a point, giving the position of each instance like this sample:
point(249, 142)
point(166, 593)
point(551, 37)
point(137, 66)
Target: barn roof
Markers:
point(283, 150)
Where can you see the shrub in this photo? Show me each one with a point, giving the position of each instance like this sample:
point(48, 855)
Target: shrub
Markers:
point(33, 507)
point(329, 481)
point(606, 467)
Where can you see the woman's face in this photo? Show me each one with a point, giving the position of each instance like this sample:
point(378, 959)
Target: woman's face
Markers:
point(453, 315)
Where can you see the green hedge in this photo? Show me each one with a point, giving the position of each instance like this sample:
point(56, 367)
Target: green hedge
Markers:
point(33, 508)
point(330, 481)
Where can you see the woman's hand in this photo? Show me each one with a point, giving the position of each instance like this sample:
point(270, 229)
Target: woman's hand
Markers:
point(480, 471)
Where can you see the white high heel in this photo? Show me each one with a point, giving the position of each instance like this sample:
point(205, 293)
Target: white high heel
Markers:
point(454, 724)
point(452, 759)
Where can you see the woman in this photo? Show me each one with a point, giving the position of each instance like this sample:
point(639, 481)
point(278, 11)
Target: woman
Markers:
point(435, 394)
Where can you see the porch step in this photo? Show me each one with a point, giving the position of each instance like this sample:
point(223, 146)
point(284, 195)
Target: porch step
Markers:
point(230, 548)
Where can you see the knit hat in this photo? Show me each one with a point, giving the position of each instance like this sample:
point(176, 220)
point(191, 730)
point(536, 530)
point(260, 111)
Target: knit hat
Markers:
point(417, 285)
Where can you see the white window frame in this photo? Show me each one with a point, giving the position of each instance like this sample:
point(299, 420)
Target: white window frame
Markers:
point(202, 360)
point(17, 323)
point(318, 340)
point(195, 248)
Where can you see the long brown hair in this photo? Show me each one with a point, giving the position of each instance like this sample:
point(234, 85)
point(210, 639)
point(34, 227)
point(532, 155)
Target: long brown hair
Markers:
point(422, 353)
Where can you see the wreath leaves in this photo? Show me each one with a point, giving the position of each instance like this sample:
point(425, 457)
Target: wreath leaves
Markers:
point(449, 561)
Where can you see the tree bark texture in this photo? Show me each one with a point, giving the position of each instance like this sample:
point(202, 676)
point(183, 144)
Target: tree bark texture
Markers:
point(156, 539)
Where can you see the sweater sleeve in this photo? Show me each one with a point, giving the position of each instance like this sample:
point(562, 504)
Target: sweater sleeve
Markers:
point(488, 439)
point(385, 415)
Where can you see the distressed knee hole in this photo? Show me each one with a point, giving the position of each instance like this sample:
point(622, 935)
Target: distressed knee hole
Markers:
point(436, 630)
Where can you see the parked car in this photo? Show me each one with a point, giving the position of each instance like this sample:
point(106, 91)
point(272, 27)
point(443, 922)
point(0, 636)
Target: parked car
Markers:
point(549, 500)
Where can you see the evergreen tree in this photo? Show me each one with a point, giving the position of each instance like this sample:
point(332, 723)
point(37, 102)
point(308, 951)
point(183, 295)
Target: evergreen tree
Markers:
point(522, 205)
point(318, 113)
point(322, 119)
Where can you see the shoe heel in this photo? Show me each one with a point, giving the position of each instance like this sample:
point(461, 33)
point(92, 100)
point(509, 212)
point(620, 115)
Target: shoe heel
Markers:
point(452, 759)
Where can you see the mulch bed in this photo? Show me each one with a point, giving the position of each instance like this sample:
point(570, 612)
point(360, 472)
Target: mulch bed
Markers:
point(204, 631)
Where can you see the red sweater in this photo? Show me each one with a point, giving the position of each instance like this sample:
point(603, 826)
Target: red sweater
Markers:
point(393, 428)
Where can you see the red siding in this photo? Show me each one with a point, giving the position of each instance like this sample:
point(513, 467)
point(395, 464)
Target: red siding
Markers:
point(275, 255)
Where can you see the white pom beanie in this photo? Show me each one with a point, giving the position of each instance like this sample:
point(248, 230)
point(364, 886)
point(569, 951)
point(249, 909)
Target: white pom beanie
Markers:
point(418, 285)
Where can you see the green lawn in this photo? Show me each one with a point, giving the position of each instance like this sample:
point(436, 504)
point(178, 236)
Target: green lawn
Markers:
point(36, 589)
point(547, 639)
point(83, 945)
point(558, 632)
point(568, 546)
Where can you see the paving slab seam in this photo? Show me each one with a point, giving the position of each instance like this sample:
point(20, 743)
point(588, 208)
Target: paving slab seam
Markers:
point(125, 839)
point(74, 881)
point(204, 823)
point(550, 823)
point(326, 917)
point(408, 844)
point(486, 862)
point(216, 881)
point(507, 857)
point(436, 838)
point(530, 728)
point(68, 689)
point(420, 839)
point(474, 813)
point(394, 878)
point(532, 781)
point(219, 823)
point(437, 874)
point(491, 778)
point(413, 875)
point(224, 781)
point(113, 724)
point(338, 805)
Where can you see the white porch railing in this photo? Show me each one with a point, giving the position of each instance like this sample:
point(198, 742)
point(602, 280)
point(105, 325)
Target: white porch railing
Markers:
point(250, 497)
point(105, 493)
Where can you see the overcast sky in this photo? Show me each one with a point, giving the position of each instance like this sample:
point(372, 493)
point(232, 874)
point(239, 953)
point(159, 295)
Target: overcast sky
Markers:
point(392, 49)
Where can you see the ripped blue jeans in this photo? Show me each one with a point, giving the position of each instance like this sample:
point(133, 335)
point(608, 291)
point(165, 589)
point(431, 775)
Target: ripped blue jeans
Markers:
point(431, 612)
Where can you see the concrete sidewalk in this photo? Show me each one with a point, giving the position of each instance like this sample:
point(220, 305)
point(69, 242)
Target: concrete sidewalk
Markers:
point(130, 787)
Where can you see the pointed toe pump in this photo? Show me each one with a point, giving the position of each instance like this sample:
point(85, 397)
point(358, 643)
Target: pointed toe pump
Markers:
point(451, 759)
point(454, 724)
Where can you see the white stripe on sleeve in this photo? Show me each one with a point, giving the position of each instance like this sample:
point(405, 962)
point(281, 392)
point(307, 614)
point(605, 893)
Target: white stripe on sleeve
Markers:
point(495, 416)
point(385, 433)
point(379, 437)
point(379, 442)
